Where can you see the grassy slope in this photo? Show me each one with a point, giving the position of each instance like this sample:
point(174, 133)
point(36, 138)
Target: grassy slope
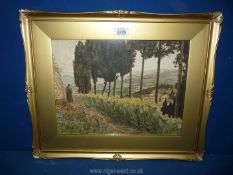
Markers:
point(78, 119)
point(143, 116)
point(166, 77)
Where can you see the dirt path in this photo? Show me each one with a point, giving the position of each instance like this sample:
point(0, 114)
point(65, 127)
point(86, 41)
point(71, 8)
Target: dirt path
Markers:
point(120, 128)
point(116, 127)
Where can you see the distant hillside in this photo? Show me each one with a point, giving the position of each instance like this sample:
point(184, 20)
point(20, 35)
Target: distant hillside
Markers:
point(166, 77)
point(149, 80)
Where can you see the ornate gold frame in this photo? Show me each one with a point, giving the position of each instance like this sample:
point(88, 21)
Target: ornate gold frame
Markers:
point(38, 28)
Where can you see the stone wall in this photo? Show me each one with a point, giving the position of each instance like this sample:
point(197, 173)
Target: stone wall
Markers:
point(58, 86)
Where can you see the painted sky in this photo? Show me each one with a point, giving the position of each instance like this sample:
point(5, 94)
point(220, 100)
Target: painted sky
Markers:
point(63, 53)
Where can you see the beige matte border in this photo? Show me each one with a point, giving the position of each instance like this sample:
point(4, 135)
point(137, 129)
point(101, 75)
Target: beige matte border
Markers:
point(39, 28)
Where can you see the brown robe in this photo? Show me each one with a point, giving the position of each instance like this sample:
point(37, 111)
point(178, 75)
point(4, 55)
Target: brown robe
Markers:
point(69, 94)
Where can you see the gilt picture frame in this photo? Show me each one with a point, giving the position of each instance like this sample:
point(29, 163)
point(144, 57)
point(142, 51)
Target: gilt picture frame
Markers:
point(119, 85)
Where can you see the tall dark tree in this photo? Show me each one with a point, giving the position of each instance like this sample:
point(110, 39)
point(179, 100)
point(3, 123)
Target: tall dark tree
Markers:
point(103, 90)
point(146, 49)
point(181, 61)
point(131, 54)
point(130, 83)
point(114, 86)
point(126, 56)
point(94, 54)
point(108, 68)
point(163, 48)
point(81, 66)
point(104, 59)
point(109, 88)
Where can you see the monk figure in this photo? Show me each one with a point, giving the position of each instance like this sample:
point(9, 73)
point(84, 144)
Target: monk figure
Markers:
point(69, 92)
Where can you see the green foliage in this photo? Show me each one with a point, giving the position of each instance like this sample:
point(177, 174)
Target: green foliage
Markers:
point(164, 48)
point(82, 77)
point(126, 57)
point(81, 66)
point(108, 53)
point(104, 59)
point(108, 59)
point(181, 61)
point(57, 70)
point(141, 115)
point(72, 119)
point(145, 47)
point(182, 56)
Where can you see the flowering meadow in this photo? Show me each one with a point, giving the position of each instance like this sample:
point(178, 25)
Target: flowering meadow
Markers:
point(143, 116)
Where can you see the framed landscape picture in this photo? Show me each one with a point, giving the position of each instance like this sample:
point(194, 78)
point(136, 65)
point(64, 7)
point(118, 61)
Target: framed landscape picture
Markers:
point(119, 85)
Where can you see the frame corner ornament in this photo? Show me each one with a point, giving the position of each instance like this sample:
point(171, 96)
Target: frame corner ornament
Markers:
point(199, 156)
point(121, 13)
point(210, 93)
point(217, 17)
point(36, 153)
point(28, 90)
point(117, 157)
point(23, 14)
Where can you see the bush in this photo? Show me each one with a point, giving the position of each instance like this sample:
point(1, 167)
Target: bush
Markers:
point(77, 119)
point(141, 115)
